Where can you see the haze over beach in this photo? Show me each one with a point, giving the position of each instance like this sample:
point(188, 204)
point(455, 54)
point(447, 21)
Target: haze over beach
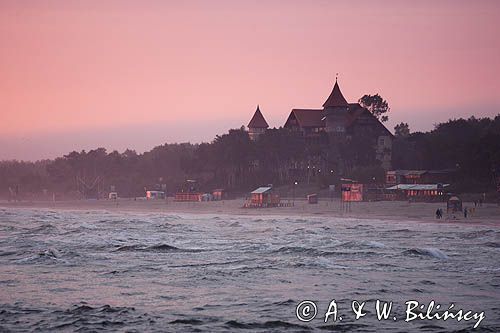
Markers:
point(130, 74)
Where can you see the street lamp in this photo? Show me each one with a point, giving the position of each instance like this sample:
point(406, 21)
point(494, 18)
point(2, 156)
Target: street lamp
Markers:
point(293, 191)
point(330, 185)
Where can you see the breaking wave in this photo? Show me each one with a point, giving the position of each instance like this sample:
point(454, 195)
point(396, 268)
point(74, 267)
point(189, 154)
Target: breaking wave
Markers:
point(427, 252)
point(154, 248)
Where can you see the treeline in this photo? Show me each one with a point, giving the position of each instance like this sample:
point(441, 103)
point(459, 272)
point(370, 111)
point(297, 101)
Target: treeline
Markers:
point(234, 162)
point(471, 146)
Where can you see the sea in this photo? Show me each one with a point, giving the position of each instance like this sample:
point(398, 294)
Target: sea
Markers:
point(100, 271)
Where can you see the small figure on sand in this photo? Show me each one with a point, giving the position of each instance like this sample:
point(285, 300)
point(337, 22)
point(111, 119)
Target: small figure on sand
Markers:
point(439, 213)
point(465, 212)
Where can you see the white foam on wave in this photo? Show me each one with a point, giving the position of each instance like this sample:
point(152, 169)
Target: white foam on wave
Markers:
point(429, 251)
point(486, 269)
point(436, 253)
point(328, 263)
point(375, 244)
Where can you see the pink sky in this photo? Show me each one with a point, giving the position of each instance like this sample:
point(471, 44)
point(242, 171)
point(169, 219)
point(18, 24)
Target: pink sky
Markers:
point(84, 74)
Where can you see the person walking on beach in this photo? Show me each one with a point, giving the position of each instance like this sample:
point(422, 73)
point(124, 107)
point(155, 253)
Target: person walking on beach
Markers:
point(438, 214)
point(465, 212)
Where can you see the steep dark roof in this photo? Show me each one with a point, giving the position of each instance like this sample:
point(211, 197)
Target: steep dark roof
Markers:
point(316, 118)
point(356, 111)
point(309, 117)
point(258, 120)
point(336, 98)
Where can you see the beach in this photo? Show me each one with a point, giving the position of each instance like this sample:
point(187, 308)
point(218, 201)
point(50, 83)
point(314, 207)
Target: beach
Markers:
point(488, 213)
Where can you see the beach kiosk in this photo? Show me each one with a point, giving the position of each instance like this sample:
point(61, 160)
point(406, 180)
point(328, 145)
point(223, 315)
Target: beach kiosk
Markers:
point(263, 197)
point(419, 192)
point(189, 196)
point(189, 192)
point(155, 195)
point(219, 194)
point(312, 198)
point(352, 192)
point(454, 204)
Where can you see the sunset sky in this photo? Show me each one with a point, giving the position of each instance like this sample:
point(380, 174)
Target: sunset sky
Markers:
point(135, 74)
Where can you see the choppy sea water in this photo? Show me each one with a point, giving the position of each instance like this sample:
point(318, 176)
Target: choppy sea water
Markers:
point(136, 272)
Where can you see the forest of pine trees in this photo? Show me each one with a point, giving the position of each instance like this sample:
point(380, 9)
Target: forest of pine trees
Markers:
point(234, 162)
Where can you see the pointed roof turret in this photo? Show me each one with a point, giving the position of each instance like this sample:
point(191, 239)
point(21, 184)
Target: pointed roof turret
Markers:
point(258, 120)
point(336, 98)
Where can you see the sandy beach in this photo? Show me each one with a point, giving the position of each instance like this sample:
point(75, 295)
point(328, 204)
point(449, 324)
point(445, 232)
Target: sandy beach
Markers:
point(383, 210)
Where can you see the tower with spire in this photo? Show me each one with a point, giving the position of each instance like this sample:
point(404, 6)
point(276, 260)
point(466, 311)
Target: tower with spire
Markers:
point(257, 125)
point(335, 111)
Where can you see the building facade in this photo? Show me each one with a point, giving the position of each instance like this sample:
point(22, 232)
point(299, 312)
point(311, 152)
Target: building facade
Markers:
point(337, 119)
